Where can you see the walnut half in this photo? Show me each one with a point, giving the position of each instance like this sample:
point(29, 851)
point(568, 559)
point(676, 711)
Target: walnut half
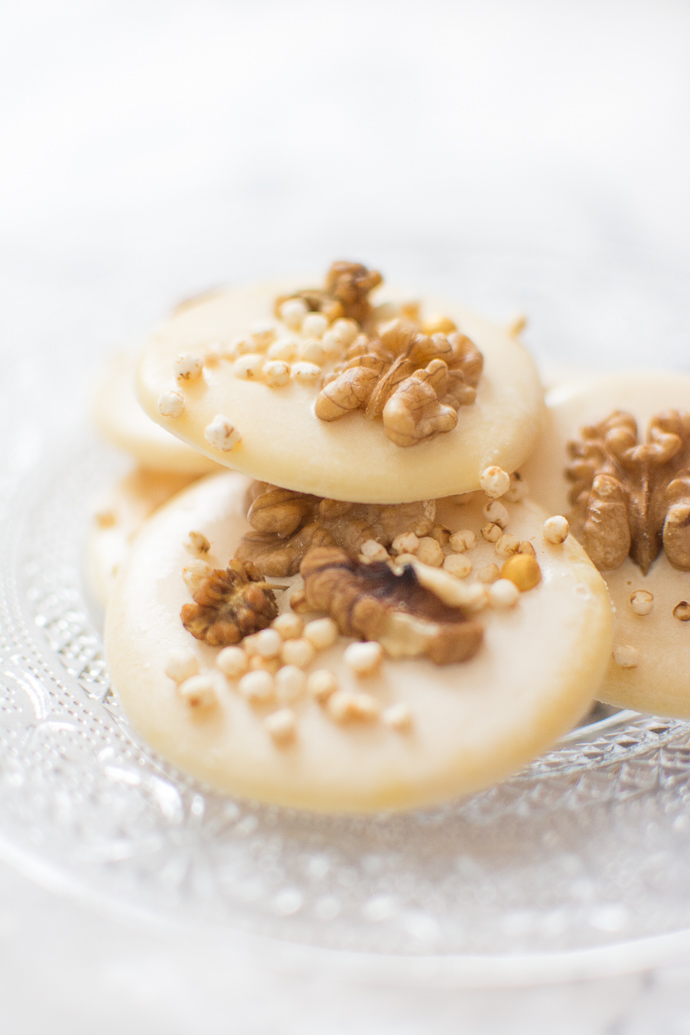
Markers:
point(372, 602)
point(229, 604)
point(630, 497)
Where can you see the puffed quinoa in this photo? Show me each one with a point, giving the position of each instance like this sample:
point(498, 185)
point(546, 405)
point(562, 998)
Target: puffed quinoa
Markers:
point(463, 540)
point(269, 643)
point(257, 686)
point(321, 633)
point(626, 656)
point(242, 347)
point(503, 594)
point(345, 331)
point(281, 725)
point(249, 367)
point(492, 533)
point(276, 373)
point(518, 489)
point(312, 351)
point(306, 373)
point(197, 543)
point(507, 545)
point(263, 335)
point(188, 368)
point(489, 573)
point(365, 707)
point(194, 573)
point(364, 659)
point(441, 534)
point(682, 611)
point(556, 529)
point(398, 716)
point(642, 602)
point(406, 542)
point(322, 683)
point(494, 481)
point(523, 570)
point(331, 346)
point(249, 645)
point(171, 404)
point(182, 664)
point(496, 513)
point(293, 312)
point(314, 325)
point(373, 551)
point(297, 652)
point(339, 705)
point(289, 625)
point(527, 548)
point(198, 691)
point(221, 434)
point(285, 349)
point(232, 662)
point(429, 552)
point(290, 682)
point(438, 324)
point(458, 565)
point(476, 598)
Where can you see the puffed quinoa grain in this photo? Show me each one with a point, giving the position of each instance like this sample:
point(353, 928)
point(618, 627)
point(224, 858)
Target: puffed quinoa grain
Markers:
point(642, 602)
point(221, 434)
point(507, 545)
point(518, 489)
point(281, 725)
point(297, 652)
point(232, 662)
point(263, 335)
point(495, 512)
point(398, 716)
point(503, 594)
point(197, 543)
point(556, 530)
point(339, 705)
point(285, 349)
point(457, 564)
point(492, 533)
point(198, 691)
point(626, 656)
point(321, 633)
point(269, 643)
point(373, 551)
point(331, 346)
point(194, 573)
point(406, 542)
point(682, 611)
point(249, 367)
point(365, 707)
point(290, 683)
point(438, 324)
point(345, 331)
point(188, 368)
point(489, 573)
point(322, 683)
point(257, 686)
point(313, 351)
point(289, 625)
point(314, 325)
point(527, 548)
point(364, 659)
point(171, 404)
point(292, 313)
point(182, 664)
point(306, 373)
point(429, 552)
point(276, 373)
point(494, 481)
point(462, 540)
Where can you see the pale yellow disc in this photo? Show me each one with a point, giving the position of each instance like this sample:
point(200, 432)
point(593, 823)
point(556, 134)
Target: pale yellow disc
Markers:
point(471, 723)
point(117, 516)
point(119, 417)
point(659, 682)
point(282, 440)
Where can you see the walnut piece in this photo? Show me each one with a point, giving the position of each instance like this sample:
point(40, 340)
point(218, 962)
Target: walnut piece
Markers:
point(286, 524)
point(345, 293)
point(629, 497)
point(230, 604)
point(414, 382)
point(374, 603)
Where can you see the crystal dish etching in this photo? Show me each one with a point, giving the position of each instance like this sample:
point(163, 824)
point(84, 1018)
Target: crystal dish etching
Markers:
point(584, 849)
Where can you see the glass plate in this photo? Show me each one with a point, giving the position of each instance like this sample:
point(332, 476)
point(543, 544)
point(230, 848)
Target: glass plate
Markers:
point(583, 852)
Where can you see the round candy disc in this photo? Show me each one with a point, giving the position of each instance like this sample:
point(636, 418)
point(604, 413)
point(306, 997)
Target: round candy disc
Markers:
point(424, 732)
point(255, 410)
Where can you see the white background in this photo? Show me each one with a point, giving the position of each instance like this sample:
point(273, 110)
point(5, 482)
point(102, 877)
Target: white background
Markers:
point(149, 149)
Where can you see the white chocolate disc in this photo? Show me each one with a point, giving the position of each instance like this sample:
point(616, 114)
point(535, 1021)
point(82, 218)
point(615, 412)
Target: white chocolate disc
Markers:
point(117, 414)
point(658, 680)
point(282, 441)
point(471, 723)
point(117, 517)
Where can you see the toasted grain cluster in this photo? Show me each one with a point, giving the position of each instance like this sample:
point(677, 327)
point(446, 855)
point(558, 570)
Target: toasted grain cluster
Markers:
point(630, 497)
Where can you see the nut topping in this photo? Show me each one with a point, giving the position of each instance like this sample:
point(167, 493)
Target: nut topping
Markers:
point(416, 383)
point(630, 497)
point(230, 604)
point(371, 602)
point(286, 524)
point(345, 293)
